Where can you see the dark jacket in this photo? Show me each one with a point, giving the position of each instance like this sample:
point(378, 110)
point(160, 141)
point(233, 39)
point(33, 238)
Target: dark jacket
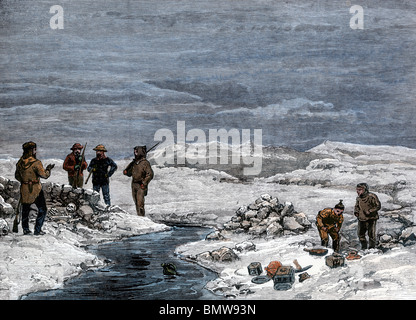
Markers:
point(102, 170)
point(140, 170)
point(367, 206)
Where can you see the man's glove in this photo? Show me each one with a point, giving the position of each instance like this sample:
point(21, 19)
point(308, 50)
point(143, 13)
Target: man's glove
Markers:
point(76, 168)
point(49, 167)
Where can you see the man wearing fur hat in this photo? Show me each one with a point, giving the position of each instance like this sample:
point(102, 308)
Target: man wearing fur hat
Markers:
point(102, 168)
point(329, 222)
point(75, 164)
point(366, 210)
point(141, 172)
point(28, 172)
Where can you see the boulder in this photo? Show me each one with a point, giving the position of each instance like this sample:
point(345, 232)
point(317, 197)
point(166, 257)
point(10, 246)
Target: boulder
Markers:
point(274, 229)
point(245, 246)
point(290, 223)
point(250, 214)
point(408, 235)
point(215, 235)
point(224, 254)
point(288, 209)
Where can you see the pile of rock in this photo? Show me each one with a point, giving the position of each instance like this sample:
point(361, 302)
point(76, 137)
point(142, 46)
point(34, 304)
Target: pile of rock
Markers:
point(268, 217)
point(65, 205)
point(9, 196)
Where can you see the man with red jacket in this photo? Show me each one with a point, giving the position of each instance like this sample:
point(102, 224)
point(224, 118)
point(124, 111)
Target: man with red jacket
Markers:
point(75, 165)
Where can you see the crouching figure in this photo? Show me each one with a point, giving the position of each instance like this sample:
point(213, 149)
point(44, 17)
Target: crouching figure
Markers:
point(329, 222)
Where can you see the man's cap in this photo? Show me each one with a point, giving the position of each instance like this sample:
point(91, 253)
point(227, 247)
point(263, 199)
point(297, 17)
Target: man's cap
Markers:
point(339, 205)
point(363, 185)
point(29, 145)
point(77, 146)
point(100, 147)
point(144, 148)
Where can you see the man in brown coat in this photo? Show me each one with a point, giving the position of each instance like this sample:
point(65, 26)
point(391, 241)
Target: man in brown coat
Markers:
point(28, 172)
point(329, 222)
point(366, 210)
point(75, 163)
point(141, 172)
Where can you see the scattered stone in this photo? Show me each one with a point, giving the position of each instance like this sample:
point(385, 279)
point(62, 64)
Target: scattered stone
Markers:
point(245, 246)
point(216, 235)
point(386, 238)
point(304, 276)
point(223, 254)
point(4, 228)
point(408, 236)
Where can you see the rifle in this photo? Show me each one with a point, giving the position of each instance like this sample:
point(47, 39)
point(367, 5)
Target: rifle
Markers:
point(147, 151)
point(79, 169)
point(89, 175)
point(16, 218)
point(153, 147)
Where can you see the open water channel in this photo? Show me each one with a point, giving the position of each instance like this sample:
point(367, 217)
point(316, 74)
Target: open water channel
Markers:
point(135, 271)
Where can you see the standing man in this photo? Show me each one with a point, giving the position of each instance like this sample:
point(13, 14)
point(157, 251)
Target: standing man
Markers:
point(28, 172)
point(366, 210)
point(329, 221)
point(141, 172)
point(75, 164)
point(102, 168)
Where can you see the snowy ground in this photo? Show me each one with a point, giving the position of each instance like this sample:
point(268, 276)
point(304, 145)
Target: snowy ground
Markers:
point(209, 197)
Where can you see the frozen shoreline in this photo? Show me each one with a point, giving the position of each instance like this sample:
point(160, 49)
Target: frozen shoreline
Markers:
point(190, 196)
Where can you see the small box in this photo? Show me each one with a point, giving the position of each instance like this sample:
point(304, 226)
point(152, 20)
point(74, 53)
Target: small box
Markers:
point(255, 269)
point(284, 278)
point(335, 260)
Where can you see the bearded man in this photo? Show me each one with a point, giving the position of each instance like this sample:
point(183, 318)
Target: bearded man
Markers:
point(28, 172)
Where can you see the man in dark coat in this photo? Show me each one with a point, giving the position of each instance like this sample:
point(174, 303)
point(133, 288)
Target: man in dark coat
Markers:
point(102, 168)
point(366, 210)
point(75, 164)
point(28, 172)
point(141, 172)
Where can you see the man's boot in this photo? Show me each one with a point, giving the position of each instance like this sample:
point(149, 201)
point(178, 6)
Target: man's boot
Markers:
point(363, 245)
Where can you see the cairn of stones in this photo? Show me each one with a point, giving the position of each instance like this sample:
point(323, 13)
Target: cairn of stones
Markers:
point(66, 205)
point(268, 217)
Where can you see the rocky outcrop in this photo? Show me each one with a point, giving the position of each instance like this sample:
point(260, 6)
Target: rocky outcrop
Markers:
point(268, 217)
point(66, 205)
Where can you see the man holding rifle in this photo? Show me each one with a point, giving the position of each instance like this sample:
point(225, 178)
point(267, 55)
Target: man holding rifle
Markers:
point(75, 164)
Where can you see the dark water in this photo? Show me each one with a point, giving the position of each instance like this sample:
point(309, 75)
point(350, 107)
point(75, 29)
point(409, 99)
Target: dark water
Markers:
point(136, 272)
